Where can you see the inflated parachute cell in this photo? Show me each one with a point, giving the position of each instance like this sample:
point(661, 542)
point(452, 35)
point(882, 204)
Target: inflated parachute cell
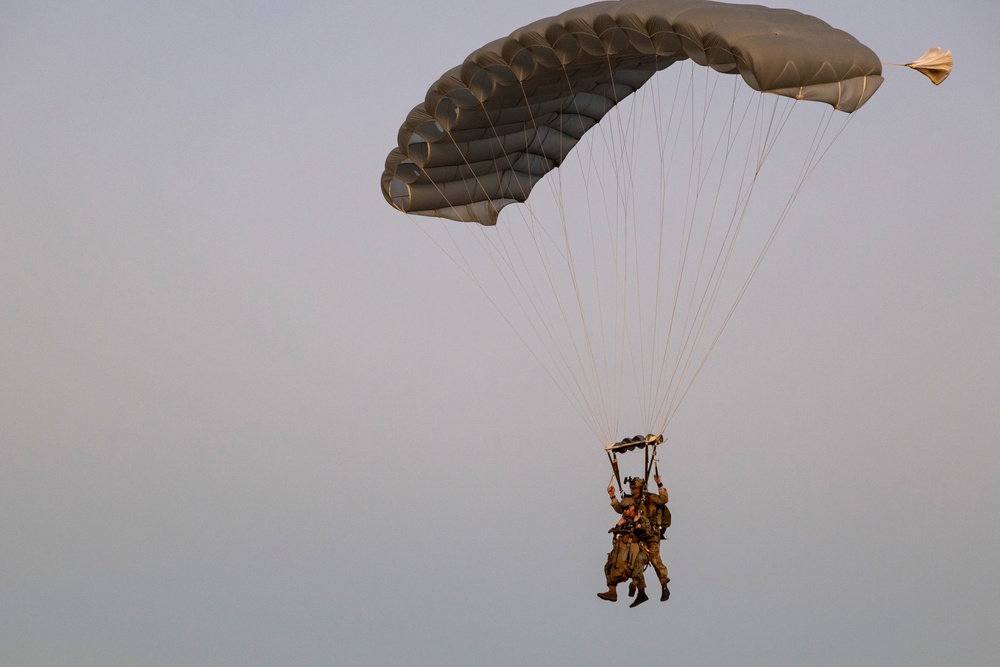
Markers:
point(491, 128)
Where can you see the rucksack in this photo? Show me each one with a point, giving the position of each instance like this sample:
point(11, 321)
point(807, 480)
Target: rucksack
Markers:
point(662, 518)
point(665, 516)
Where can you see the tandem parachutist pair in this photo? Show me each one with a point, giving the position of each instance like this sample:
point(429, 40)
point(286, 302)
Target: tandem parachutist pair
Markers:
point(635, 539)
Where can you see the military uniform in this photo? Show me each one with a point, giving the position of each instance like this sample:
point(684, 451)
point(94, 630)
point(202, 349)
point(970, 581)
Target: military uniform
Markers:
point(650, 509)
point(628, 557)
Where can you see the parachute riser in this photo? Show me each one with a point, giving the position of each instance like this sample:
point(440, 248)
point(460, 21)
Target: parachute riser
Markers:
point(647, 443)
point(650, 462)
point(614, 467)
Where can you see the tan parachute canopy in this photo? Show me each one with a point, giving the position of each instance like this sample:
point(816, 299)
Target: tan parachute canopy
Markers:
point(489, 129)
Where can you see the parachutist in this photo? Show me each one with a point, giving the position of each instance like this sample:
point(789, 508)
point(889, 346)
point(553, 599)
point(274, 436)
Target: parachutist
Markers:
point(653, 508)
point(628, 558)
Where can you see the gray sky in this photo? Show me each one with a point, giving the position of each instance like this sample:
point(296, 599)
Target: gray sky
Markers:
point(240, 395)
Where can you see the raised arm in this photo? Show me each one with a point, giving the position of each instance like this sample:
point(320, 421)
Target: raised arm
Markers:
point(661, 497)
point(615, 505)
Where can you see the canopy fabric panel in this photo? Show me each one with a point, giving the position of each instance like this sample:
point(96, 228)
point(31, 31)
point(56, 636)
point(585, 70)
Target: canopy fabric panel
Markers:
point(491, 128)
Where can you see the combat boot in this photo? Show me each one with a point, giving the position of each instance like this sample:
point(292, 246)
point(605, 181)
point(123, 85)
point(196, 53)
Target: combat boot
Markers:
point(665, 595)
point(640, 597)
point(631, 589)
point(611, 595)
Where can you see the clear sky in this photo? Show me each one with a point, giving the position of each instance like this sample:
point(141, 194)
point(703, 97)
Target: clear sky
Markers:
point(249, 415)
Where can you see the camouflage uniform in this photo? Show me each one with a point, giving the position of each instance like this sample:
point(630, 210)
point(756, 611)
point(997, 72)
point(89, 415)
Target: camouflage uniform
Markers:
point(649, 510)
point(627, 558)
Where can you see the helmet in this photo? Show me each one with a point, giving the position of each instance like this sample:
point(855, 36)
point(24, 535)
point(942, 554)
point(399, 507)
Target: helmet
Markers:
point(636, 482)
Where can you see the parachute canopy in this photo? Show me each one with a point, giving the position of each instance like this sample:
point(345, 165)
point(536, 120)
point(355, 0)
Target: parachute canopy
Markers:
point(491, 128)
